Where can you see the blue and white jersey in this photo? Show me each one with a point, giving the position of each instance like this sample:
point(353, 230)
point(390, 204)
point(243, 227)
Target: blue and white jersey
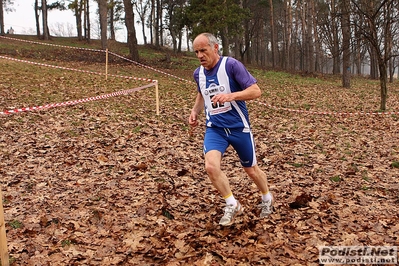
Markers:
point(228, 76)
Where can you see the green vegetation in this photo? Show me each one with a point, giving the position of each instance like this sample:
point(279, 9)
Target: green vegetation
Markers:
point(335, 179)
point(66, 243)
point(395, 164)
point(15, 224)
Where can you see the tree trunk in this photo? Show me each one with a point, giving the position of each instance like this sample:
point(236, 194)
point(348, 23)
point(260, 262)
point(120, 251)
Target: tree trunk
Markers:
point(87, 19)
point(287, 34)
point(131, 32)
point(373, 63)
point(335, 42)
point(160, 20)
point(383, 85)
point(309, 38)
point(295, 46)
point(152, 22)
point(78, 18)
point(188, 40)
point(398, 72)
point(46, 34)
point(273, 36)
point(225, 42)
point(2, 31)
point(391, 69)
point(112, 20)
point(102, 6)
point(37, 16)
point(346, 55)
point(357, 52)
point(157, 23)
point(141, 9)
point(304, 37)
point(318, 51)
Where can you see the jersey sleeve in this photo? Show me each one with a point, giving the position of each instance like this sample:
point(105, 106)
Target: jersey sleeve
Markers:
point(239, 72)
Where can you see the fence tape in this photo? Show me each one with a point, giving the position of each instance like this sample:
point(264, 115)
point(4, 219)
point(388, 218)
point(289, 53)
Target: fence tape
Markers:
point(73, 69)
point(68, 103)
point(51, 44)
point(151, 68)
point(97, 50)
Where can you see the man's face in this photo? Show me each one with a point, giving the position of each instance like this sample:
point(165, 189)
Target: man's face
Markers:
point(207, 54)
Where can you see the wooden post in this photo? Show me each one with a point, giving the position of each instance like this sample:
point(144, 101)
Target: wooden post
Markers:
point(157, 96)
point(3, 238)
point(106, 64)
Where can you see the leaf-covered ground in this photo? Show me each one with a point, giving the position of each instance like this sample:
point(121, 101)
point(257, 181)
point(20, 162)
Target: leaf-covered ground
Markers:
point(111, 183)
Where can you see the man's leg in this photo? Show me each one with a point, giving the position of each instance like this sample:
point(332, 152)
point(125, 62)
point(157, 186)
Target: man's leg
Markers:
point(220, 181)
point(260, 179)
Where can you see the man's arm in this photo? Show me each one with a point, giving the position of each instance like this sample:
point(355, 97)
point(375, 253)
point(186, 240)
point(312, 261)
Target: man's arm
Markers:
point(250, 93)
point(198, 106)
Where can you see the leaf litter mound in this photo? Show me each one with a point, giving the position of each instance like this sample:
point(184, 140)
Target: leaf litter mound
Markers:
point(111, 183)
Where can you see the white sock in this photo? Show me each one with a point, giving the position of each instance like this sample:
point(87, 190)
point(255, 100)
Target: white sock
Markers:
point(230, 200)
point(267, 196)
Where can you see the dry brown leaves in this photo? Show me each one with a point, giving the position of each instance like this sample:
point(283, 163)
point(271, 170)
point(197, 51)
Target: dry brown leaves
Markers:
point(111, 183)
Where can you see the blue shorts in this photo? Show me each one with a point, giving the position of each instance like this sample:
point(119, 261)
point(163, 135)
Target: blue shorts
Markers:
point(242, 142)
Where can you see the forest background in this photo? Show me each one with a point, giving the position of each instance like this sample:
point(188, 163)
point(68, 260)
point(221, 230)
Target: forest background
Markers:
point(339, 37)
point(79, 181)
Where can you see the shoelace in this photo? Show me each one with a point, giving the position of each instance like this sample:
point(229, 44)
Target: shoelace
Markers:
point(229, 209)
point(265, 206)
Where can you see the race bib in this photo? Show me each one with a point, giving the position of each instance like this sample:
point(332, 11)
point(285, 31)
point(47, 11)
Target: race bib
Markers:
point(216, 108)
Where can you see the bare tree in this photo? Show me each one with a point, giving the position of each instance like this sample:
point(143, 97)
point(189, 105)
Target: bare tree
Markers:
point(142, 7)
point(273, 35)
point(102, 6)
point(131, 31)
point(87, 20)
point(46, 33)
point(287, 34)
point(335, 49)
point(115, 9)
point(2, 31)
point(346, 36)
point(380, 19)
point(77, 6)
point(37, 16)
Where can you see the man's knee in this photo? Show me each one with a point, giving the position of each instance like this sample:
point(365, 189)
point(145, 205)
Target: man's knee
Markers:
point(211, 168)
point(251, 171)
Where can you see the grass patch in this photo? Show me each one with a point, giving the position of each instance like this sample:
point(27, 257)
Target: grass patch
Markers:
point(395, 164)
point(297, 165)
point(336, 179)
point(66, 243)
point(15, 224)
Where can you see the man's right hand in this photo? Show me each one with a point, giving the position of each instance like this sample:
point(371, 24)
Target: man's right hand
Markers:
point(192, 120)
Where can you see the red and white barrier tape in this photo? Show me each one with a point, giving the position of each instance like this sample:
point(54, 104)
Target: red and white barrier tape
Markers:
point(73, 69)
point(50, 44)
point(95, 98)
point(103, 51)
point(326, 113)
point(151, 68)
